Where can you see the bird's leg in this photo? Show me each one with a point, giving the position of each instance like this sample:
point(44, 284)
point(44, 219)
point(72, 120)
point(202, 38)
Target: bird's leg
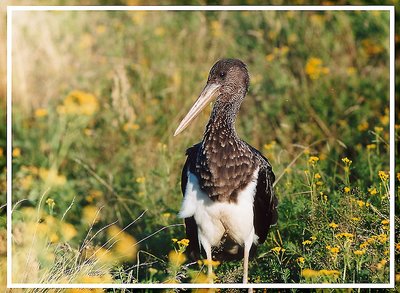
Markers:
point(207, 247)
point(209, 263)
point(247, 245)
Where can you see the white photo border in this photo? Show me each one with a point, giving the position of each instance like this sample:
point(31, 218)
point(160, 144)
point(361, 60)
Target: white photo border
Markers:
point(390, 9)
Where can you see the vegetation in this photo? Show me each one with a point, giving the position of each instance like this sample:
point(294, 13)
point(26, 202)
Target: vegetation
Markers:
point(96, 170)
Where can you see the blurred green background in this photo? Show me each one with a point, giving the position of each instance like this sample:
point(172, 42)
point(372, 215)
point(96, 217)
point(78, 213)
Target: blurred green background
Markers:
point(97, 96)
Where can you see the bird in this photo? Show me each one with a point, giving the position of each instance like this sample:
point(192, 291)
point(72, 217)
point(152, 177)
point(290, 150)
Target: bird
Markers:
point(229, 202)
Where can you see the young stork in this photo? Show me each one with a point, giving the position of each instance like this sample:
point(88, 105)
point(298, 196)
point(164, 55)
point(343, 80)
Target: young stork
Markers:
point(229, 203)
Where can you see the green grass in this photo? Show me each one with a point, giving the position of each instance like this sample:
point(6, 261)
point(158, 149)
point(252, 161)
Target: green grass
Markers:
point(95, 107)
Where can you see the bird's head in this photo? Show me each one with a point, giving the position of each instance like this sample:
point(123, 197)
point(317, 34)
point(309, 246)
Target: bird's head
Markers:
point(228, 80)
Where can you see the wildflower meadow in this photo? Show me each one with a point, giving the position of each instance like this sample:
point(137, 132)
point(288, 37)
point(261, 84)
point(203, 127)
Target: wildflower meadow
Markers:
point(96, 96)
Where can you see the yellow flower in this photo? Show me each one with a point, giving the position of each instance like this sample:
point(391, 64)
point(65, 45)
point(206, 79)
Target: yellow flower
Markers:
point(176, 79)
point(363, 126)
point(300, 260)
point(86, 41)
point(93, 194)
point(345, 234)
point(216, 28)
point(79, 102)
point(278, 249)
point(313, 160)
point(398, 246)
point(383, 175)
point(351, 70)
point(50, 202)
point(306, 242)
point(1, 152)
point(292, 38)
point(333, 250)
point(385, 222)
point(381, 264)
point(130, 126)
point(205, 262)
point(372, 191)
point(347, 189)
point(100, 254)
point(174, 240)
point(162, 147)
point(360, 203)
point(384, 119)
point(382, 238)
point(333, 225)
point(176, 258)
point(371, 47)
point(53, 238)
point(26, 182)
point(359, 252)
point(347, 161)
point(90, 215)
point(269, 146)
point(317, 20)
point(16, 152)
point(271, 34)
point(398, 175)
point(378, 129)
point(51, 176)
point(355, 219)
point(159, 31)
point(283, 50)
point(152, 271)
point(68, 231)
point(314, 68)
point(138, 17)
point(125, 244)
point(141, 180)
point(100, 29)
point(41, 112)
point(309, 273)
point(317, 176)
point(184, 242)
point(270, 57)
point(329, 273)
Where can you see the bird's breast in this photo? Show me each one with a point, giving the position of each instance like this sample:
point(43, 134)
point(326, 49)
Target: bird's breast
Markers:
point(215, 218)
point(224, 168)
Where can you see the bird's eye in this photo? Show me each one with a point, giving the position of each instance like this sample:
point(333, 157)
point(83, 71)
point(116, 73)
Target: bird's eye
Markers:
point(222, 74)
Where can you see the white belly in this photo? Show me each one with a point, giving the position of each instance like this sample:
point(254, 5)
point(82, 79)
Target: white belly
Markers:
point(214, 218)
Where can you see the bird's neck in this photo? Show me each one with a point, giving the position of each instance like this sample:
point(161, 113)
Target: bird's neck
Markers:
point(222, 121)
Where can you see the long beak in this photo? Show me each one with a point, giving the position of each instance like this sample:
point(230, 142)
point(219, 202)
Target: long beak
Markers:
point(204, 99)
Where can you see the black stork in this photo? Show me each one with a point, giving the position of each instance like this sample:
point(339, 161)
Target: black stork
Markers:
point(229, 202)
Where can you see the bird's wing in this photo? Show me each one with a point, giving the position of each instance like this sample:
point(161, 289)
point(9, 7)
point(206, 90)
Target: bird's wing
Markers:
point(265, 200)
point(191, 226)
